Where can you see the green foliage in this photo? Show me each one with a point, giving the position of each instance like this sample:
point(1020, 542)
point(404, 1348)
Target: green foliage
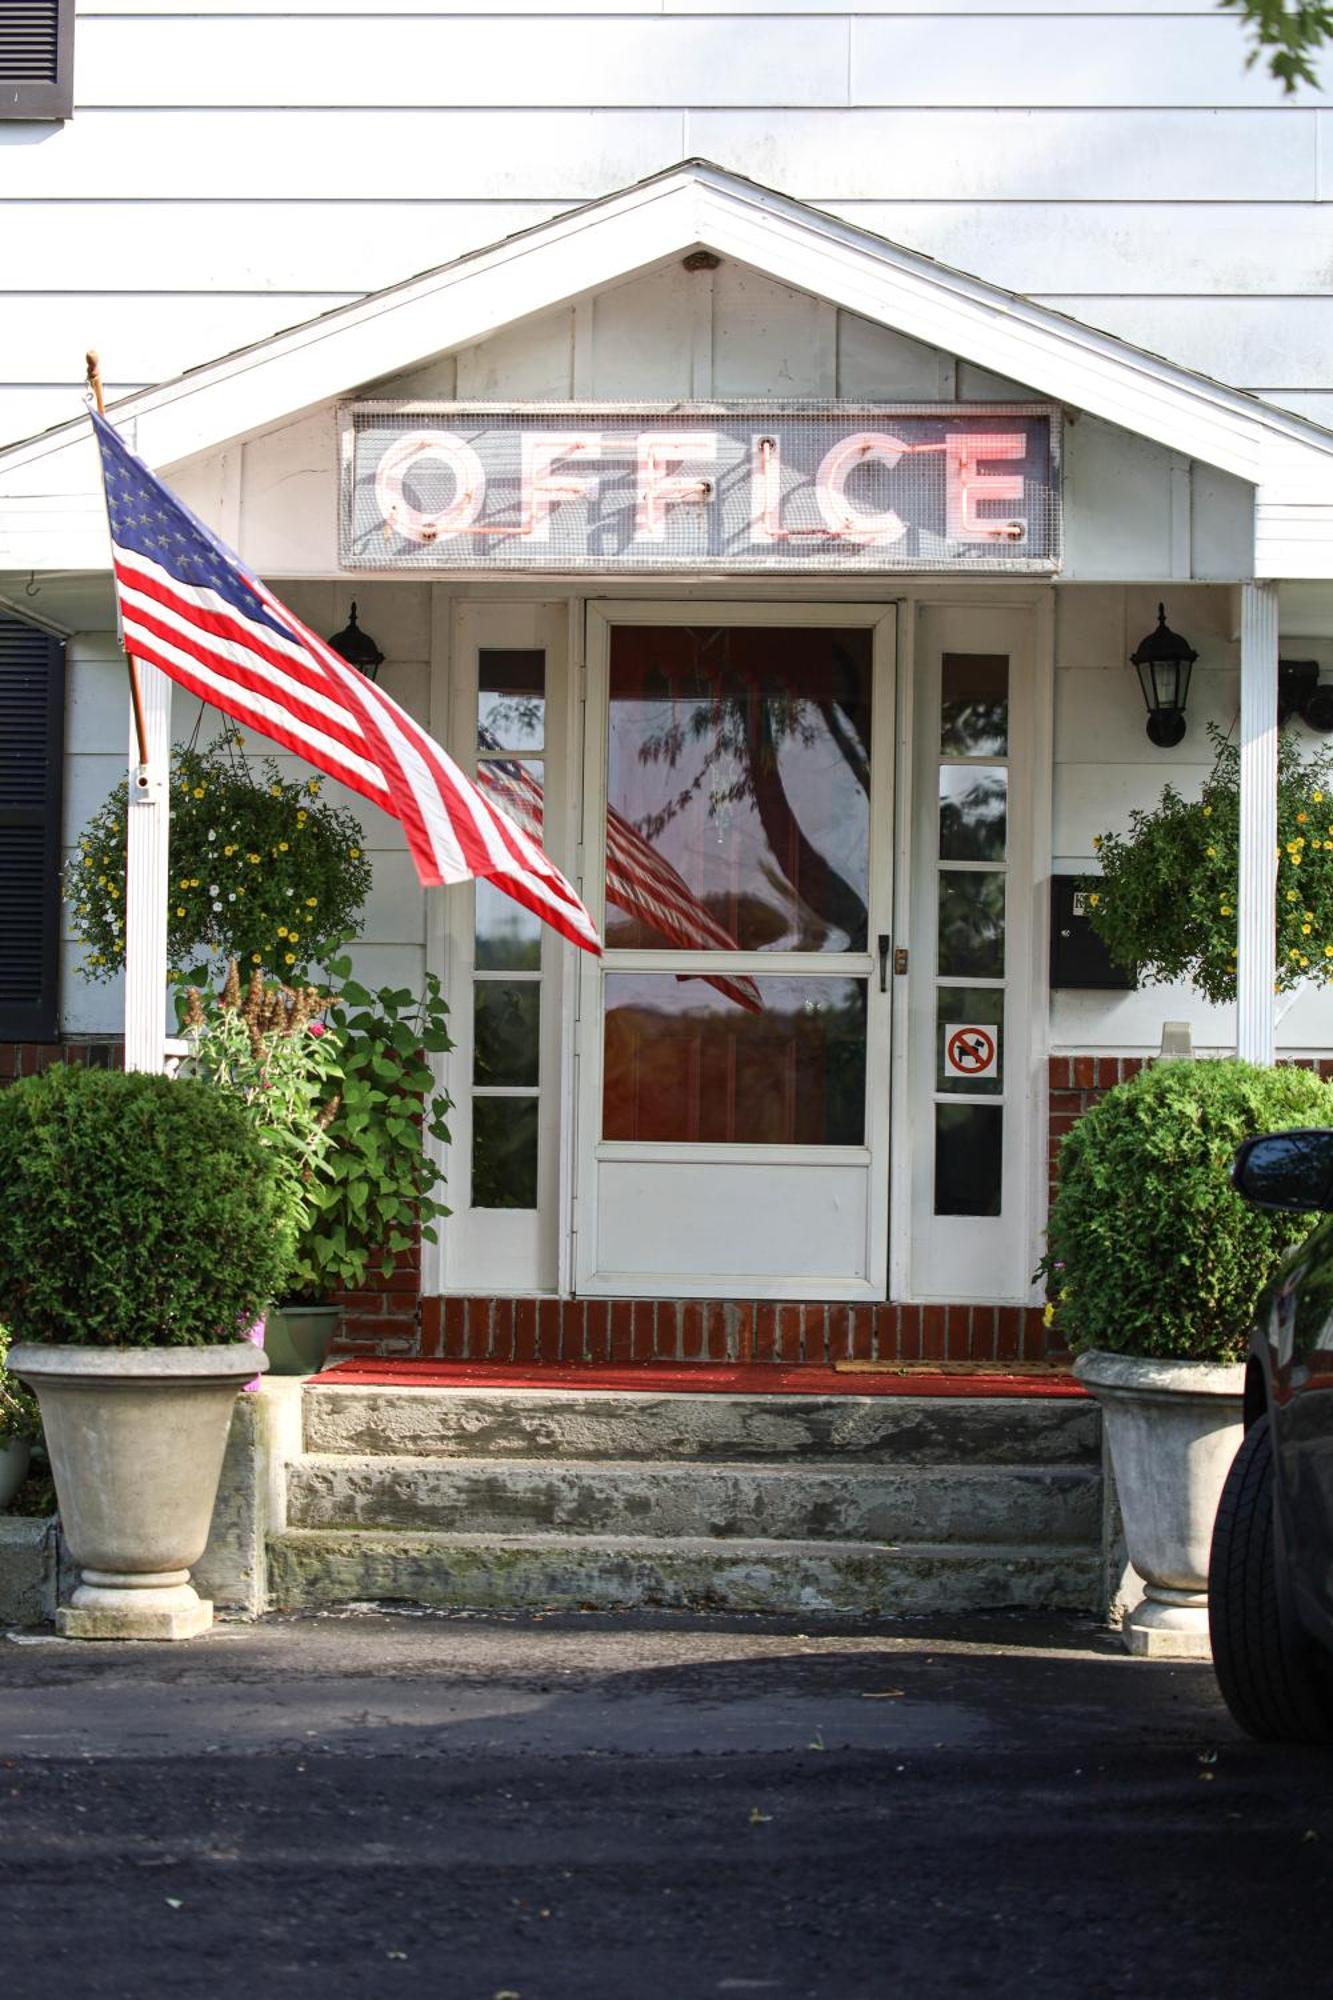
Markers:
point(260, 871)
point(18, 1406)
point(1293, 34)
point(1166, 902)
point(135, 1211)
point(378, 1192)
point(1149, 1249)
point(268, 1049)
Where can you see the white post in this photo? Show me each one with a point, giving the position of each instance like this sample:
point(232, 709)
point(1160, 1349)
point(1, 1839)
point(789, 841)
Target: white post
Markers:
point(1256, 902)
point(146, 880)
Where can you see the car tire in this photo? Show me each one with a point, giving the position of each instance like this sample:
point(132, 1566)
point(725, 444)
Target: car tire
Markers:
point(1276, 1681)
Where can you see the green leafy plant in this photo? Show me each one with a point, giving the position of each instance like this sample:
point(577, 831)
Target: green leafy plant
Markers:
point(1165, 904)
point(135, 1211)
point(18, 1406)
point(260, 870)
point(379, 1192)
point(269, 1049)
point(1149, 1249)
point(1291, 34)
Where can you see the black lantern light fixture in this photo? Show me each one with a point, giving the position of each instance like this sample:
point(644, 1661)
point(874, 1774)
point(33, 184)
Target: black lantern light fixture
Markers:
point(1164, 661)
point(358, 648)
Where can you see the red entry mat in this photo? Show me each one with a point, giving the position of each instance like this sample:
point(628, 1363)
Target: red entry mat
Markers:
point(702, 1378)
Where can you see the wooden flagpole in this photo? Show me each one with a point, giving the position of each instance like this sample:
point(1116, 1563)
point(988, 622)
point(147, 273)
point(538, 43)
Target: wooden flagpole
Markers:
point(136, 695)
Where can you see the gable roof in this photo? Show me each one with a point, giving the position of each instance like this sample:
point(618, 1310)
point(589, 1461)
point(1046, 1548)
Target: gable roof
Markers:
point(699, 205)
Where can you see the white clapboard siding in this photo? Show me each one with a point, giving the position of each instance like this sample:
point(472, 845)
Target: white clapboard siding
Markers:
point(1246, 341)
point(992, 155)
point(141, 338)
point(296, 8)
point(361, 155)
point(545, 60)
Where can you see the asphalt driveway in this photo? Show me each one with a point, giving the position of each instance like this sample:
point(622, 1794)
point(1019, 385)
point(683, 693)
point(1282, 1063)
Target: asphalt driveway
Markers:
point(567, 1807)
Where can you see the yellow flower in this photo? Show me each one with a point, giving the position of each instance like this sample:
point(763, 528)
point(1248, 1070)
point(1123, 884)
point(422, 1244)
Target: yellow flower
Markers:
point(1292, 895)
point(311, 901)
point(180, 909)
point(1093, 901)
point(194, 881)
point(276, 791)
point(185, 881)
point(199, 791)
point(282, 847)
point(312, 786)
point(1226, 910)
point(1305, 930)
point(1207, 812)
point(1305, 961)
point(1301, 818)
point(253, 859)
point(229, 850)
point(1318, 798)
point(255, 958)
point(1293, 953)
point(355, 853)
point(1211, 852)
point(1096, 843)
point(289, 958)
point(282, 930)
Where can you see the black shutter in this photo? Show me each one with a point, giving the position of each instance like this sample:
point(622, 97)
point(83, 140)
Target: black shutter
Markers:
point(32, 733)
point(36, 58)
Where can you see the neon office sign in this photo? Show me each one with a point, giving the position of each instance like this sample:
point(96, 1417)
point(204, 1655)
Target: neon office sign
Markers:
point(578, 487)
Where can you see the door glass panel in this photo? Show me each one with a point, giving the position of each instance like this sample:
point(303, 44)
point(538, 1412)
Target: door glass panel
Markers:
point(974, 705)
point(511, 698)
point(509, 938)
point(971, 924)
point(973, 812)
point(968, 1063)
point(504, 1152)
point(506, 1031)
point(762, 1062)
point(738, 789)
point(969, 1157)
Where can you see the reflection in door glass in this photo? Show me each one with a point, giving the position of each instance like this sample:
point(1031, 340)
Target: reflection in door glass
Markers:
point(504, 1152)
point(511, 698)
point(973, 812)
point(974, 705)
point(969, 1158)
point(738, 789)
point(774, 1062)
point(971, 924)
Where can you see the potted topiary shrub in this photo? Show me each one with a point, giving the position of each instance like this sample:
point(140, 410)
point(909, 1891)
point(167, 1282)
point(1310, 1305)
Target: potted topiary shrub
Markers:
point(19, 1427)
point(142, 1228)
point(1152, 1269)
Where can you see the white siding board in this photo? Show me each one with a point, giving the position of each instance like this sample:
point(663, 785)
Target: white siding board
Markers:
point(547, 61)
point(1222, 523)
point(1242, 341)
point(1087, 60)
point(565, 156)
point(526, 363)
point(435, 380)
point(142, 338)
point(324, 247)
point(1117, 503)
point(1087, 247)
point(880, 365)
point(1014, 155)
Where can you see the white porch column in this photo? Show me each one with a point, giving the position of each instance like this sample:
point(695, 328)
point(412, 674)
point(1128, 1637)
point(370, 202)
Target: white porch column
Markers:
point(1256, 902)
point(146, 880)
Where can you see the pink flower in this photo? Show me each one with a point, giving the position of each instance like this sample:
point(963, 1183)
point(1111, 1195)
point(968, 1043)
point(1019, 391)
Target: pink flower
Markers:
point(317, 1028)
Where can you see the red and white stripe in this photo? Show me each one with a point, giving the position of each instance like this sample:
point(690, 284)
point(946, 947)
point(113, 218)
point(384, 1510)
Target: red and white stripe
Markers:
point(292, 687)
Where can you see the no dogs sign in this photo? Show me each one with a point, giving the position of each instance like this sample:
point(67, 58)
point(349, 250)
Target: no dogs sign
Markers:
point(970, 1052)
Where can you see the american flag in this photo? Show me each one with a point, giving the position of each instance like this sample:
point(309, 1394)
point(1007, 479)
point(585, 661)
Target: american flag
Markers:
point(639, 881)
point(188, 605)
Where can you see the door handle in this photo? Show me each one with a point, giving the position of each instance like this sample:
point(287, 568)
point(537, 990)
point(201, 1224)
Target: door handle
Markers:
point(884, 941)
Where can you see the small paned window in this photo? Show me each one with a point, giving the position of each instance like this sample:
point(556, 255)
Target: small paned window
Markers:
point(36, 58)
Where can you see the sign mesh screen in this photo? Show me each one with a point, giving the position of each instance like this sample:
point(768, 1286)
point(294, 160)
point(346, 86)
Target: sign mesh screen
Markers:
point(569, 488)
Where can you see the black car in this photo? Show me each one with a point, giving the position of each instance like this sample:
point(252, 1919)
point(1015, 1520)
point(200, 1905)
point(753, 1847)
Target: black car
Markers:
point(1270, 1582)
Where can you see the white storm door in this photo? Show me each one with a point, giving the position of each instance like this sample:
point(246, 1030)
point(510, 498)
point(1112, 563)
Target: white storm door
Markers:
point(509, 702)
point(733, 1043)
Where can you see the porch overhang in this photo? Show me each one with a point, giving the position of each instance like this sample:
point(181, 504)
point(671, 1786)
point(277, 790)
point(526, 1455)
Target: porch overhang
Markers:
point(50, 504)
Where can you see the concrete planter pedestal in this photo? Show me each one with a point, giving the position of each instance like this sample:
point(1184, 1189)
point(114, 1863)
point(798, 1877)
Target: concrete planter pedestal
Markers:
point(1172, 1429)
point(136, 1437)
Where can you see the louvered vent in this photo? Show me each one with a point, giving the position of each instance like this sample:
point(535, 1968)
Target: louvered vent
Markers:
point(36, 58)
point(29, 41)
point(31, 749)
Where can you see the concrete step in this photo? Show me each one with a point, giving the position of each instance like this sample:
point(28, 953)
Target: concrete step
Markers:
point(311, 1569)
point(805, 1501)
point(639, 1424)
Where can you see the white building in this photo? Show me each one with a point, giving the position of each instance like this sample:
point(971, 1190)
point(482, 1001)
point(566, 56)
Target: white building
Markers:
point(861, 540)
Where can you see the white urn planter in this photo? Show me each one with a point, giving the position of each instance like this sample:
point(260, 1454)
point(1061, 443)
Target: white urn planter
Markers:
point(136, 1437)
point(1172, 1429)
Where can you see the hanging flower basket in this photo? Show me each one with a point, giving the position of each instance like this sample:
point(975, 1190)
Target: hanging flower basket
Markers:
point(261, 870)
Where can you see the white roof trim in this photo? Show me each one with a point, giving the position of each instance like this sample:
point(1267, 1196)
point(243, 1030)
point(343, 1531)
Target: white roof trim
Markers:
point(1289, 459)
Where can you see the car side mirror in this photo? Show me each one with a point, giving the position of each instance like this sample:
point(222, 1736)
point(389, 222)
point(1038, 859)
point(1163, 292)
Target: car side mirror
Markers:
point(1288, 1170)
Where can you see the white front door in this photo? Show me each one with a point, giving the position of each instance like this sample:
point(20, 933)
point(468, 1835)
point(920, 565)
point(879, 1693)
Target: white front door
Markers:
point(733, 1044)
